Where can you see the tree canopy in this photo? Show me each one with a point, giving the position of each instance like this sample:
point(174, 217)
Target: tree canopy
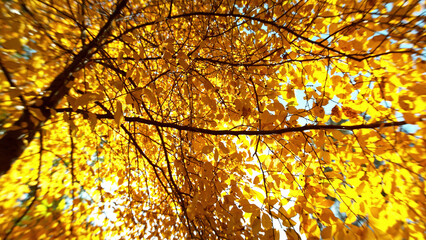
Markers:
point(208, 119)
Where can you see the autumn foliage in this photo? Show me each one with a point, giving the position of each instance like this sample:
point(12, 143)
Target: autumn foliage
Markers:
point(212, 119)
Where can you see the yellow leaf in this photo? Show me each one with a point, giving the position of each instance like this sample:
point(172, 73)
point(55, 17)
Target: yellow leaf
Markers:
point(375, 211)
point(223, 148)
point(360, 188)
point(36, 112)
point(327, 216)
point(292, 235)
point(183, 63)
point(207, 149)
point(256, 226)
point(258, 195)
point(405, 102)
point(410, 118)
point(93, 120)
point(150, 95)
point(13, 43)
point(266, 221)
point(326, 233)
point(118, 115)
point(129, 99)
point(167, 55)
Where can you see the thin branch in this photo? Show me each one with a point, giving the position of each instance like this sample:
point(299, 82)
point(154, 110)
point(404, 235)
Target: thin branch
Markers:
point(242, 132)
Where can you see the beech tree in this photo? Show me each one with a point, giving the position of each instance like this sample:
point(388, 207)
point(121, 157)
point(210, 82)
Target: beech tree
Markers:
point(232, 119)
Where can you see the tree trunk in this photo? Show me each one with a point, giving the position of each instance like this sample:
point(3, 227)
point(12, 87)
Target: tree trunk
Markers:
point(15, 140)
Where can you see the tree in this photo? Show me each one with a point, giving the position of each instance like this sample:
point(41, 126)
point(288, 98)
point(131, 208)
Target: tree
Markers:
point(212, 119)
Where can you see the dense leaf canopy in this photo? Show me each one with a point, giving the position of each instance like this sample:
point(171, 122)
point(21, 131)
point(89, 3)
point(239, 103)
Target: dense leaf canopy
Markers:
point(207, 119)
